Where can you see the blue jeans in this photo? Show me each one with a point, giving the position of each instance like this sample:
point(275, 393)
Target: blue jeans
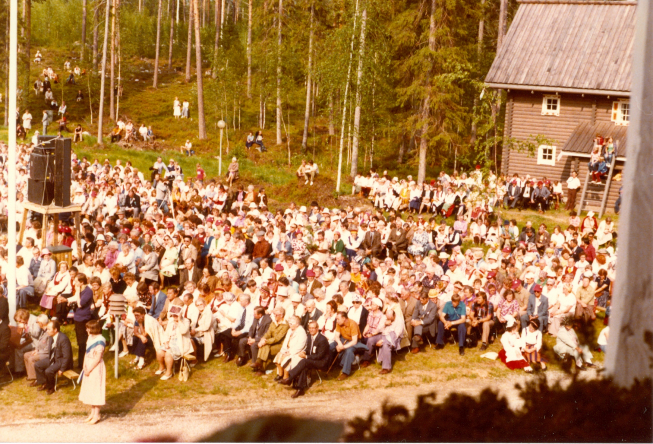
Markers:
point(347, 355)
point(163, 205)
point(462, 333)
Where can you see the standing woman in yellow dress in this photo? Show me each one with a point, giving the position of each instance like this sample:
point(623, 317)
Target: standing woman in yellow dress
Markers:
point(94, 373)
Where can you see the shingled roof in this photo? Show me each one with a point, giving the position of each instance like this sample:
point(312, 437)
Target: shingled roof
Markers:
point(573, 46)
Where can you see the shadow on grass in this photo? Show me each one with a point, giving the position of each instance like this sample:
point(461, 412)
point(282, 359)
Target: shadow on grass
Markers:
point(120, 404)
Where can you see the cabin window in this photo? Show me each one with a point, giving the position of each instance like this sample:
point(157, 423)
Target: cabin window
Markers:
point(551, 106)
point(621, 112)
point(546, 155)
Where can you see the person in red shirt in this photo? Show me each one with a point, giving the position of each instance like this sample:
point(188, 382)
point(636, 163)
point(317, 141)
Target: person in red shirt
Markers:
point(200, 173)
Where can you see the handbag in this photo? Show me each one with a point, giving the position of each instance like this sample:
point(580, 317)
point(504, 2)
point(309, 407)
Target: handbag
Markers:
point(184, 370)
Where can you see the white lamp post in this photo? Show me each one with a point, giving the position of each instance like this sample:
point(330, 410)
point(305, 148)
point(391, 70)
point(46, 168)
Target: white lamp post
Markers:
point(221, 125)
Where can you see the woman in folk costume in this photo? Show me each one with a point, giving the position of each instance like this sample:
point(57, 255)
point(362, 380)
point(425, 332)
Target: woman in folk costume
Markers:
point(59, 285)
point(294, 344)
point(589, 224)
point(512, 345)
point(532, 343)
point(93, 387)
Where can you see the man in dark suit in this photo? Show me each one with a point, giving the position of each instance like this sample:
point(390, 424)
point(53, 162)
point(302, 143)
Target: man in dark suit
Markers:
point(60, 359)
point(190, 273)
point(300, 274)
point(397, 241)
point(423, 320)
point(316, 356)
point(5, 348)
point(131, 203)
point(512, 195)
point(256, 331)
point(372, 241)
point(158, 300)
point(538, 308)
point(311, 313)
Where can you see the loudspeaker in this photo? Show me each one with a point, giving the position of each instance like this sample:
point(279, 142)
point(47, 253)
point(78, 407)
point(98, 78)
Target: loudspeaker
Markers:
point(40, 192)
point(46, 141)
point(41, 164)
point(62, 169)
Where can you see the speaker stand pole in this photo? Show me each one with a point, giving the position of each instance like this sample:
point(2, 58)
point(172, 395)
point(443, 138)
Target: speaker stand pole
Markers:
point(11, 158)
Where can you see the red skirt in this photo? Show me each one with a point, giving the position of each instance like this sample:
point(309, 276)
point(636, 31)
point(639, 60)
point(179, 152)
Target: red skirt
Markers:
point(512, 365)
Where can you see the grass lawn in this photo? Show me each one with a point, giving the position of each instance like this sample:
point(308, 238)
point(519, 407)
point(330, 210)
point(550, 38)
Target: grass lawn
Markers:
point(218, 382)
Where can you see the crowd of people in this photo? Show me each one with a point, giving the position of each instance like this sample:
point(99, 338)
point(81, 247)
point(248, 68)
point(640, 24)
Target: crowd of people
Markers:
point(210, 271)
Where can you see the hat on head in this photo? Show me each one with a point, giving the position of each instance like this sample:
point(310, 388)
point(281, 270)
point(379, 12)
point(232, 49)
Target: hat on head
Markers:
point(537, 288)
point(101, 237)
point(252, 206)
point(170, 224)
point(310, 273)
point(296, 298)
point(282, 291)
point(378, 302)
point(302, 209)
point(510, 320)
point(443, 255)
point(492, 275)
point(588, 274)
point(516, 285)
point(506, 250)
point(278, 267)
point(590, 214)
point(234, 159)
point(356, 298)
point(45, 251)
point(452, 263)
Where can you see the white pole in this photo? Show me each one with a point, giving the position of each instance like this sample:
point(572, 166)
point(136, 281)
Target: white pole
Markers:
point(220, 160)
point(117, 344)
point(11, 158)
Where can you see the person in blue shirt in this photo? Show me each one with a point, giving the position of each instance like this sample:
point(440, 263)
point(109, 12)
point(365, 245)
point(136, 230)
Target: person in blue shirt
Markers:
point(83, 314)
point(453, 316)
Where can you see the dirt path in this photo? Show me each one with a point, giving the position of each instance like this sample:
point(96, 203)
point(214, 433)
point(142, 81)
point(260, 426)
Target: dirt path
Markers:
point(192, 424)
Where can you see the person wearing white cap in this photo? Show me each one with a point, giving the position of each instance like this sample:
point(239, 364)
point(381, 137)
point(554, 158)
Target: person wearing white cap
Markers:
point(296, 307)
point(46, 272)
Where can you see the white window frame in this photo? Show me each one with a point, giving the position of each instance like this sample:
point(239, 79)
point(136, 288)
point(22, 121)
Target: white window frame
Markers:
point(541, 160)
point(621, 112)
point(545, 108)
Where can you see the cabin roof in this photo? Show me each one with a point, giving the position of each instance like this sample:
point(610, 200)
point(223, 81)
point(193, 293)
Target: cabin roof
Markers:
point(581, 140)
point(574, 46)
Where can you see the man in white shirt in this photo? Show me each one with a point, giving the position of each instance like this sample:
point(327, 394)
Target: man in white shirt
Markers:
point(573, 184)
point(190, 310)
point(24, 283)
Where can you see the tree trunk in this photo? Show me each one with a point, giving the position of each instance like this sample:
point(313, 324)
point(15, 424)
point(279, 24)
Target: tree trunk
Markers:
point(205, 7)
point(189, 47)
point(200, 77)
point(172, 38)
point(307, 112)
point(236, 10)
point(84, 15)
point(344, 101)
point(279, 140)
point(479, 51)
point(140, 6)
point(112, 95)
point(218, 30)
point(402, 149)
point(158, 46)
point(103, 73)
point(503, 18)
point(426, 104)
point(96, 26)
point(27, 21)
point(249, 49)
point(332, 128)
point(357, 111)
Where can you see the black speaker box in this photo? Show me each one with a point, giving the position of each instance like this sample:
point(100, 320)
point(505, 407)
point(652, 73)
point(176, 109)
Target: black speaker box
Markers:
point(41, 164)
point(62, 172)
point(40, 192)
point(47, 141)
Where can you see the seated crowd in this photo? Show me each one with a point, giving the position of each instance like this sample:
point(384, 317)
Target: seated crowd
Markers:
point(209, 271)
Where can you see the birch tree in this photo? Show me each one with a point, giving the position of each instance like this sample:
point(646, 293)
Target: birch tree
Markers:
point(426, 104)
point(198, 61)
point(189, 47)
point(279, 140)
point(158, 46)
point(307, 112)
point(103, 73)
point(249, 49)
point(357, 111)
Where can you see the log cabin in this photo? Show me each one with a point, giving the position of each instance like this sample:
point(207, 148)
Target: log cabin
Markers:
point(566, 68)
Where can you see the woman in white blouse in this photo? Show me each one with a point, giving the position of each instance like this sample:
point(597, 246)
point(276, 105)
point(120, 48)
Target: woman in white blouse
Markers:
point(532, 343)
